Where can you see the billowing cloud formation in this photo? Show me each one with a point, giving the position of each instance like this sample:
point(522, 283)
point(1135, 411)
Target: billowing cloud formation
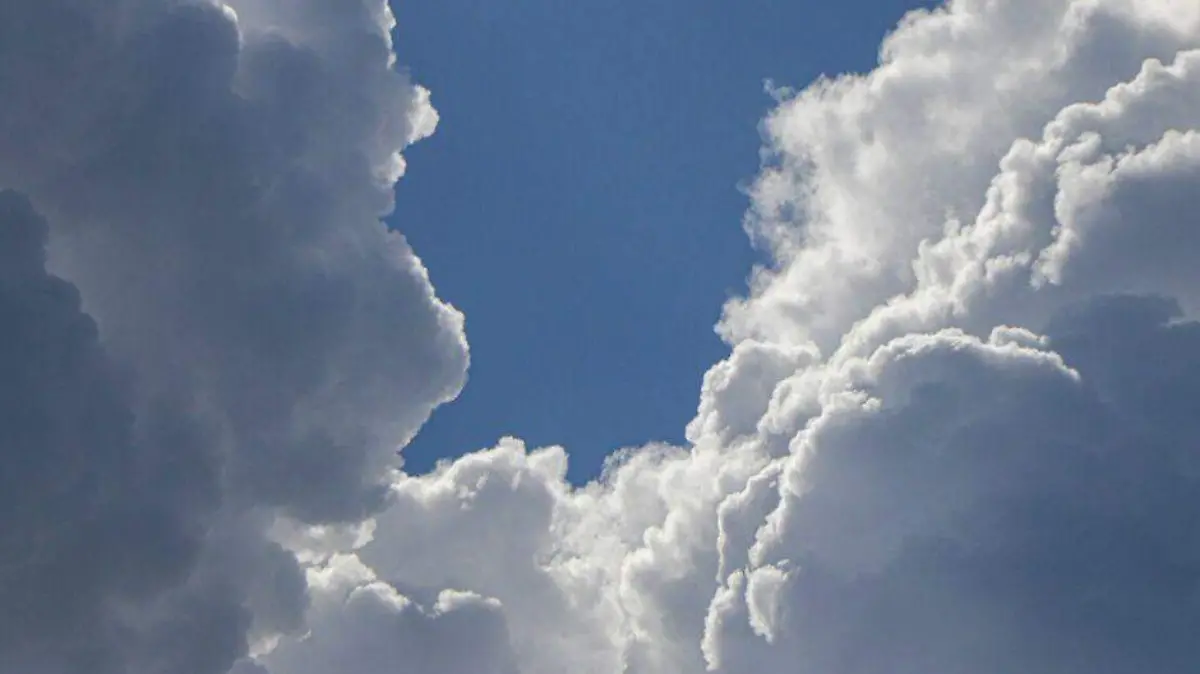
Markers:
point(955, 433)
point(206, 326)
point(956, 430)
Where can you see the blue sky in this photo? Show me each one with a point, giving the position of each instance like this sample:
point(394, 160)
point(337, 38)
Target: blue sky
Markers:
point(580, 201)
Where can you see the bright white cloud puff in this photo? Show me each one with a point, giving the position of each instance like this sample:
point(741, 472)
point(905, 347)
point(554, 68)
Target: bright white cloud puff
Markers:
point(955, 434)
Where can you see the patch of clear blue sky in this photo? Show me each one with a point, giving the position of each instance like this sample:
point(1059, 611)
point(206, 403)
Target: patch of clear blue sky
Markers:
point(579, 202)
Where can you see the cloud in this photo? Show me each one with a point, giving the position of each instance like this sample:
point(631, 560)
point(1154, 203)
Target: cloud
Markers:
point(69, 489)
point(206, 325)
point(954, 434)
point(225, 231)
point(361, 622)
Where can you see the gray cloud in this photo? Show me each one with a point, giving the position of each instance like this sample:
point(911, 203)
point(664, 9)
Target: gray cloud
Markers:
point(936, 533)
point(99, 511)
point(220, 209)
point(954, 433)
point(238, 336)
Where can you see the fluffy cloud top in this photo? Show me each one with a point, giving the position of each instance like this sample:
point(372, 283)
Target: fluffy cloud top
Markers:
point(955, 434)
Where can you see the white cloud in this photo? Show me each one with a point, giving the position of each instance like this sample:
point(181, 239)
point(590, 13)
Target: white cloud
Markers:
point(955, 432)
point(952, 435)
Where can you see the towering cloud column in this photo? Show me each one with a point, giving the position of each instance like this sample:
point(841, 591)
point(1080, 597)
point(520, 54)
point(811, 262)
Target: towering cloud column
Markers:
point(227, 333)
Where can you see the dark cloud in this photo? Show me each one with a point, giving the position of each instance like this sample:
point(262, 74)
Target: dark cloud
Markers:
point(225, 228)
point(239, 336)
point(88, 522)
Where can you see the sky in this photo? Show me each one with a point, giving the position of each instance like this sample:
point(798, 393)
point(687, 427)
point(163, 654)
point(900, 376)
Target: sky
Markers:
point(584, 192)
point(249, 248)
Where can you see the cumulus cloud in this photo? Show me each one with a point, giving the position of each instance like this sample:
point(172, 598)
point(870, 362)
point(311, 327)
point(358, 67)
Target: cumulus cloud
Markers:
point(206, 326)
point(224, 226)
point(955, 432)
